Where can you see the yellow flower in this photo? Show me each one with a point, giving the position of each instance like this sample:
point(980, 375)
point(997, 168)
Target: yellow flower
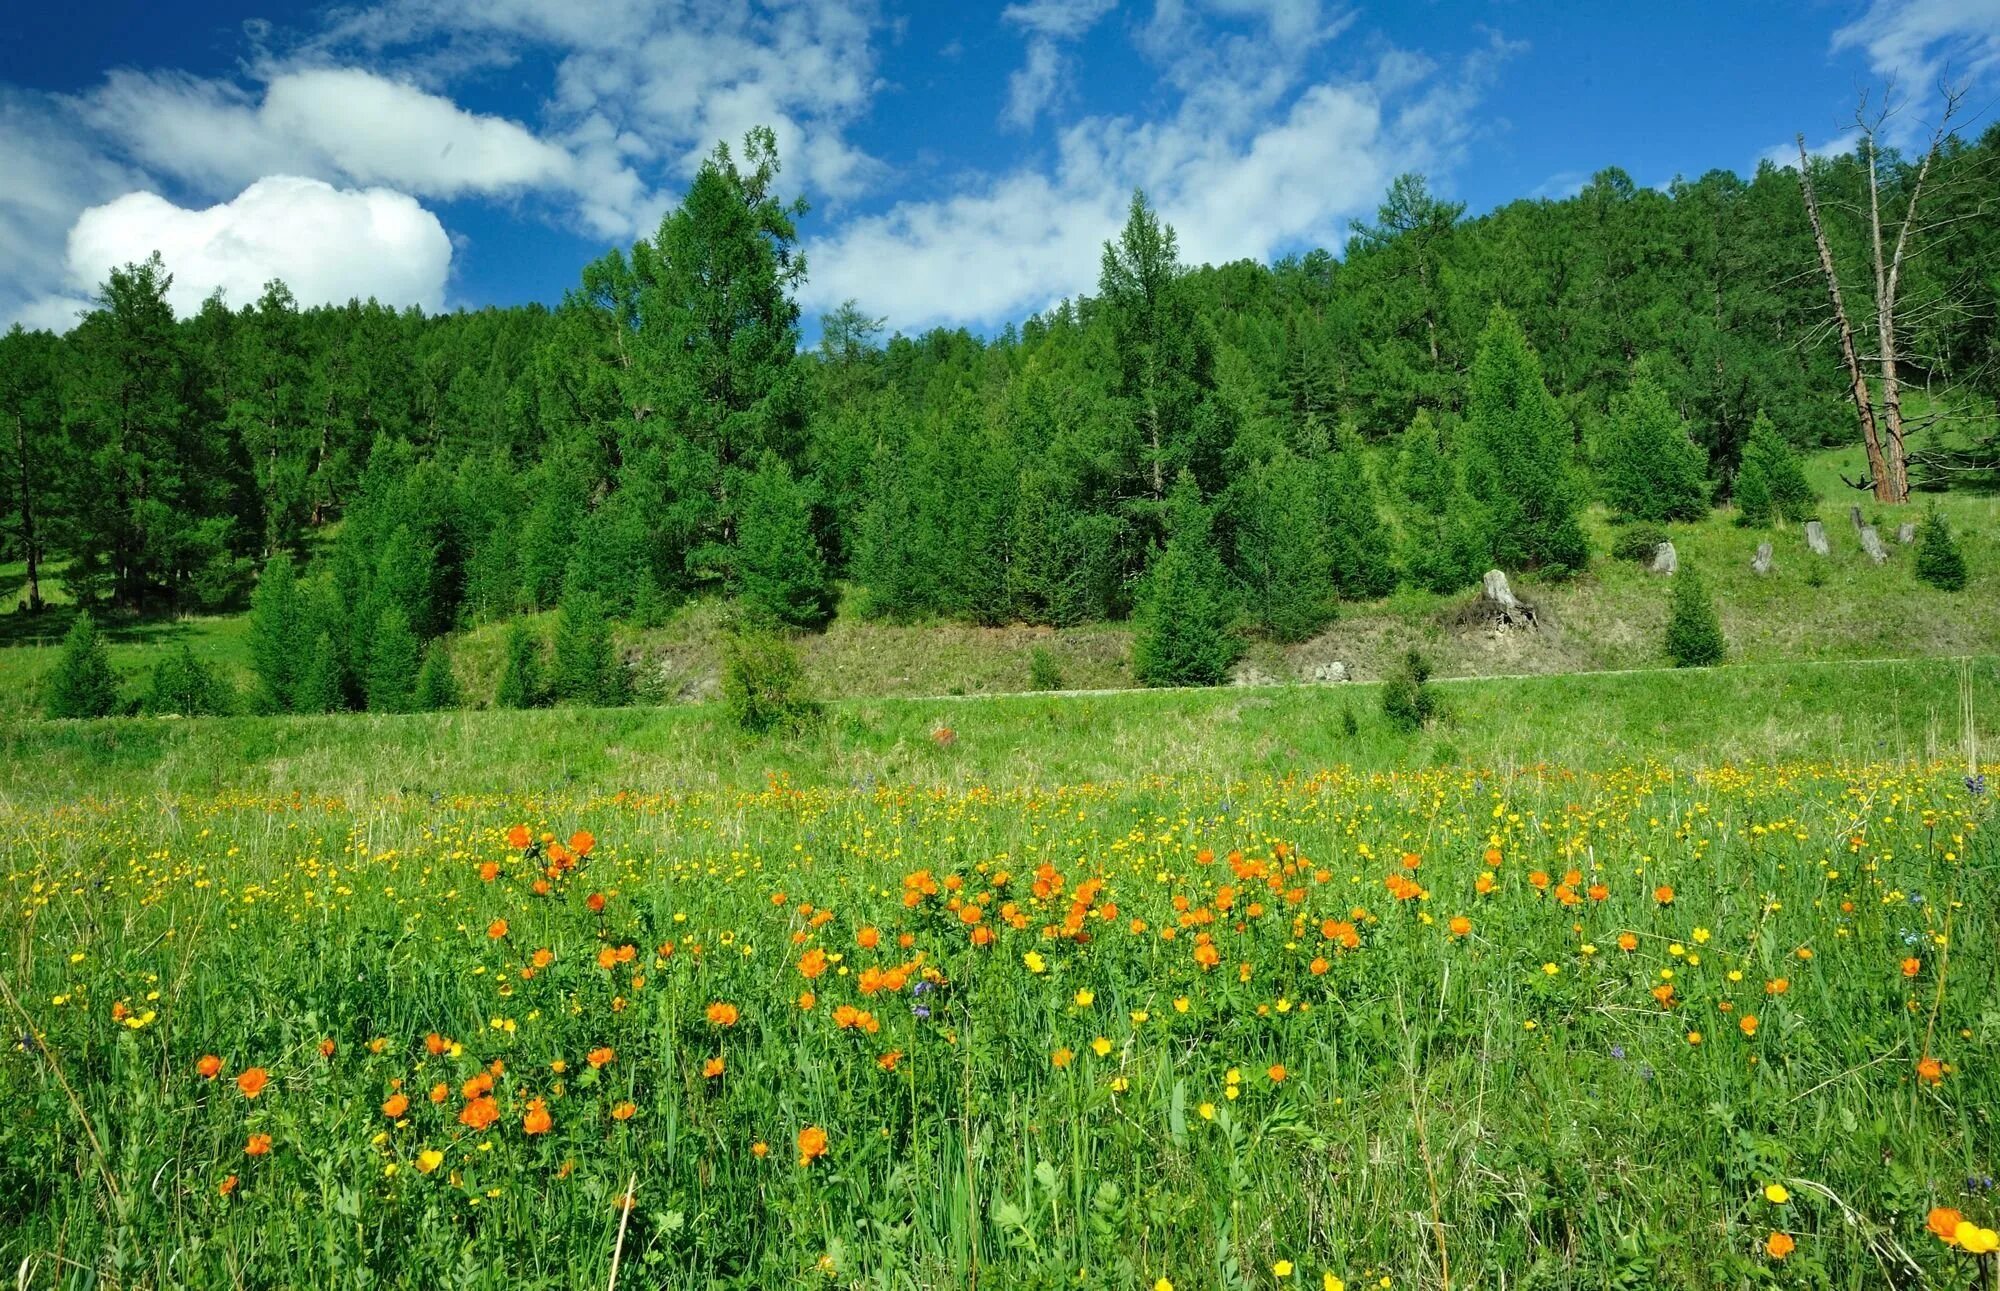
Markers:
point(1100, 1046)
point(1328, 1282)
point(1207, 1111)
point(1084, 998)
point(1036, 964)
point(1181, 1004)
point(428, 1160)
point(1161, 1284)
point(1282, 1269)
point(1776, 1194)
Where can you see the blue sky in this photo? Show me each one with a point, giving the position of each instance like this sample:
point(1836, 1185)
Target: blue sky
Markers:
point(964, 161)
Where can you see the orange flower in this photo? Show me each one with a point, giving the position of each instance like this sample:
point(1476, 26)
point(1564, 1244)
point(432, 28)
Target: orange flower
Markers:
point(435, 1044)
point(1460, 926)
point(812, 963)
point(518, 838)
point(544, 957)
point(1930, 1070)
point(1062, 1057)
point(760, 1149)
point(582, 842)
point(226, 1187)
point(812, 1144)
point(868, 938)
point(602, 1056)
point(1628, 942)
point(1747, 1024)
point(888, 1061)
point(722, 1015)
point(489, 871)
point(395, 1106)
point(326, 1047)
point(210, 1066)
point(712, 1068)
point(440, 1092)
point(497, 929)
point(624, 1111)
point(1779, 1245)
point(1207, 955)
point(1276, 1071)
point(477, 1085)
point(479, 1113)
point(595, 901)
point(1912, 966)
point(1318, 966)
point(1944, 1221)
point(259, 1145)
point(252, 1082)
point(538, 1120)
point(1663, 894)
point(1777, 986)
point(607, 958)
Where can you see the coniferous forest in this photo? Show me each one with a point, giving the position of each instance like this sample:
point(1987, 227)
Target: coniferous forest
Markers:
point(1189, 447)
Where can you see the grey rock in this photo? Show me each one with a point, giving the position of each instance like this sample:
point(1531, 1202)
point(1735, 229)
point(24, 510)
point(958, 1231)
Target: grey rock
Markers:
point(1871, 542)
point(1666, 560)
point(1761, 562)
point(1906, 532)
point(1331, 673)
point(1816, 538)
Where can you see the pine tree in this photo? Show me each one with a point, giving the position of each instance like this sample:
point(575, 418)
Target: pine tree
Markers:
point(393, 655)
point(1768, 452)
point(521, 674)
point(1441, 538)
point(780, 571)
point(1357, 541)
point(1184, 630)
point(613, 556)
point(184, 685)
point(1517, 451)
point(278, 643)
point(1755, 507)
point(587, 670)
point(437, 685)
point(1939, 561)
point(1694, 635)
point(82, 683)
point(1649, 468)
point(405, 574)
point(321, 686)
point(1282, 550)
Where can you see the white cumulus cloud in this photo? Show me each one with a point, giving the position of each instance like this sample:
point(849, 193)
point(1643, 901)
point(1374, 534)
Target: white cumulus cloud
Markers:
point(328, 244)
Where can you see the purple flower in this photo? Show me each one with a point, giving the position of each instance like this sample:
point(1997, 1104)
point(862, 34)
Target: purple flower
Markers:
point(922, 1012)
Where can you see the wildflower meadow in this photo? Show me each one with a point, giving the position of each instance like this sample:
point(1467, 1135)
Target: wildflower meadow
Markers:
point(1625, 1028)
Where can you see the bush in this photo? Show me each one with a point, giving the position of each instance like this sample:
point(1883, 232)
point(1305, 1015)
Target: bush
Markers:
point(1637, 542)
point(1694, 635)
point(521, 675)
point(1939, 561)
point(764, 685)
point(1044, 673)
point(1407, 698)
point(1755, 507)
point(184, 685)
point(82, 684)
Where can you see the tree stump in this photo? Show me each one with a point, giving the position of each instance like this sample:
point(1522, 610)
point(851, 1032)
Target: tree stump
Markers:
point(1906, 532)
point(1871, 542)
point(1761, 562)
point(1496, 606)
point(1816, 538)
point(1666, 560)
point(1854, 514)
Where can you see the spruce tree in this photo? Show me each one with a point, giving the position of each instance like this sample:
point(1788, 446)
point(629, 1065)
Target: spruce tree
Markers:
point(82, 683)
point(278, 643)
point(1356, 538)
point(1441, 537)
point(780, 572)
point(1939, 561)
point(1694, 635)
point(1755, 507)
point(612, 557)
point(1649, 468)
point(185, 686)
point(587, 670)
point(521, 674)
point(1282, 551)
point(322, 683)
point(1184, 630)
point(1517, 456)
point(437, 684)
point(393, 656)
point(1767, 450)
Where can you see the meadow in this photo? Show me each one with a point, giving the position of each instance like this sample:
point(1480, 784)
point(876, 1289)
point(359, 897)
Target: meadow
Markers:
point(1658, 980)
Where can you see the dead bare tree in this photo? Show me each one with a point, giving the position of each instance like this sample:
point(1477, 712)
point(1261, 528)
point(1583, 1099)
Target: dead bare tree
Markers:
point(1857, 388)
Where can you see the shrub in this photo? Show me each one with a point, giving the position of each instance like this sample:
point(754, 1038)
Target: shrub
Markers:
point(1044, 673)
point(183, 684)
point(1407, 698)
point(1939, 561)
point(521, 675)
point(1755, 507)
point(1637, 542)
point(1694, 635)
point(764, 685)
point(82, 684)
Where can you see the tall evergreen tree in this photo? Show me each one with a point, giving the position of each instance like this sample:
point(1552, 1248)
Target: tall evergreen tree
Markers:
point(32, 447)
point(1357, 541)
point(393, 657)
point(1694, 634)
point(437, 685)
point(185, 686)
point(1185, 628)
point(1517, 450)
point(82, 683)
point(1768, 453)
point(587, 670)
point(521, 683)
point(1648, 467)
point(1442, 543)
point(1939, 561)
point(279, 644)
point(1283, 551)
point(322, 683)
point(781, 572)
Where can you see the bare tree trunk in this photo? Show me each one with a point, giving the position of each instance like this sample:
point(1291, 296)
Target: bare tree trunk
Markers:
point(1878, 470)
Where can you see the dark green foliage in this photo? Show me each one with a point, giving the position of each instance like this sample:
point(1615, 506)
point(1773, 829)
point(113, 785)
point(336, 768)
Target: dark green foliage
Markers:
point(1284, 554)
point(521, 684)
point(1939, 561)
point(1357, 540)
point(1755, 507)
point(613, 557)
point(1694, 634)
point(1408, 700)
point(764, 687)
point(437, 685)
point(1044, 673)
point(321, 686)
point(279, 645)
point(1517, 454)
point(82, 683)
point(393, 660)
point(1767, 453)
point(185, 686)
point(1638, 543)
point(1647, 465)
point(1185, 627)
point(587, 668)
point(781, 573)
point(1442, 543)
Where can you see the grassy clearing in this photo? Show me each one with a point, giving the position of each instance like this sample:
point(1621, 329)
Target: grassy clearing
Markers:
point(1096, 992)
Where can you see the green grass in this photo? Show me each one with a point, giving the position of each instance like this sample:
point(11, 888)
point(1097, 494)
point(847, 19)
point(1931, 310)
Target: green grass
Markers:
point(1079, 1102)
